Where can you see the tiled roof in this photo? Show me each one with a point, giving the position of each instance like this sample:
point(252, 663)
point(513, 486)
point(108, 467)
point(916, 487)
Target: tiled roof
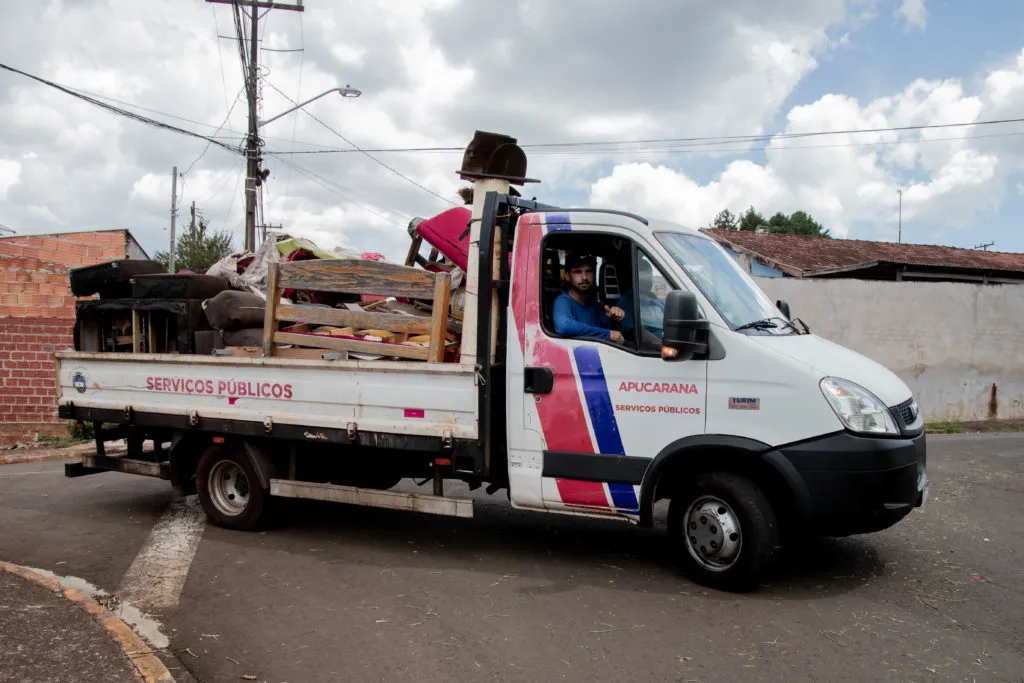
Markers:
point(801, 255)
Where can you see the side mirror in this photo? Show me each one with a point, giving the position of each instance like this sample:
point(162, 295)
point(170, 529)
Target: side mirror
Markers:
point(784, 307)
point(684, 334)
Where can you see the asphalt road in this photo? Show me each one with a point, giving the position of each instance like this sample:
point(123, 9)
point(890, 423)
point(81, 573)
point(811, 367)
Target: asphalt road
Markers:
point(340, 593)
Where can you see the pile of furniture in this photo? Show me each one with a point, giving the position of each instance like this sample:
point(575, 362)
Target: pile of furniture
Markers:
point(134, 307)
point(320, 306)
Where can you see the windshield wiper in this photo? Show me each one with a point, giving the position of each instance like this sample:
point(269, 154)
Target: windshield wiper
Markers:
point(768, 324)
point(765, 324)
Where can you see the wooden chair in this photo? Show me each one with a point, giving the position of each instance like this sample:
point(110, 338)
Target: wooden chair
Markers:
point(358, 277)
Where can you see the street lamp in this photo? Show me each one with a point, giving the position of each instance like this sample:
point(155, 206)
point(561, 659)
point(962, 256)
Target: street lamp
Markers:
point(347, 91)
point(253, 177)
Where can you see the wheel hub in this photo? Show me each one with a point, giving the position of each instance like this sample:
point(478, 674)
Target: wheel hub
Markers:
point(712, 533)
point(229, 488)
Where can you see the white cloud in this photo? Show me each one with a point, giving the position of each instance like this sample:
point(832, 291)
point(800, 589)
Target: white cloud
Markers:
point(568, 70)
point(10, 173)
point(913, 13)
point(844, 181)
point(575, 69)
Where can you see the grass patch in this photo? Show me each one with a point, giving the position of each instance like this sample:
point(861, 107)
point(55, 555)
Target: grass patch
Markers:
point(975, 426)
point(58, 441)
point(944, 428)
point(78, 432)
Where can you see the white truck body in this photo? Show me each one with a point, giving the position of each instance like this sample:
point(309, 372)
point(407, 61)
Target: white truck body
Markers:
point(394, 398)
point(788, 428)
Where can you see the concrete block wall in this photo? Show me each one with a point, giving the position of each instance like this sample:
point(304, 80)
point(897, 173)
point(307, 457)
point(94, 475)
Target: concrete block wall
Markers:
point(960, 347)
point(32, 288)
point(28, 381)
point(37, 312)
point(70, 249)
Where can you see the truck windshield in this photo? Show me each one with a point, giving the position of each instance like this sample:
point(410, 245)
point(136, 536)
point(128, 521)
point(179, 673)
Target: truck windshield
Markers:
point(729, 289)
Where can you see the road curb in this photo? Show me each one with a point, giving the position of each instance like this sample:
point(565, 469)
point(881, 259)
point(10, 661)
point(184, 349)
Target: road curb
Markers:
point(49, 457)
point(68, 454)
point(142, 656)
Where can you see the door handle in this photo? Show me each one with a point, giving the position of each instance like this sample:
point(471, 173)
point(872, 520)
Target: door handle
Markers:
point(538, 380)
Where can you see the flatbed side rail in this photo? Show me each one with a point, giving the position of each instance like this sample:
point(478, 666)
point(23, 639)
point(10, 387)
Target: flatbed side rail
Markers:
point(396, 500)
point(94, 464)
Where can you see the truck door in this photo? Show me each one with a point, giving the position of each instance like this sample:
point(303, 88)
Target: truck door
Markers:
point(587, 415)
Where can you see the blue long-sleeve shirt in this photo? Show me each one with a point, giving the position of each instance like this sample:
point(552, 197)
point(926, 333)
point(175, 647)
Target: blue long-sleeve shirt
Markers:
point(574, 319)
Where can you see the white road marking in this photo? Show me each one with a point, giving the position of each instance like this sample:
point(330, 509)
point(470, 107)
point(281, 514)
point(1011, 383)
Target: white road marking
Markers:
point(157, 575)
point(147, 627)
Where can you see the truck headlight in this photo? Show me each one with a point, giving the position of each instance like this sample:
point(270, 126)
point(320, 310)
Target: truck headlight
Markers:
point(859, 409)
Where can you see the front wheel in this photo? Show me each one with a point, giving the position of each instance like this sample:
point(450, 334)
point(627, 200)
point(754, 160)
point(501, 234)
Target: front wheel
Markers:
point(724, 532)
point(230, 491)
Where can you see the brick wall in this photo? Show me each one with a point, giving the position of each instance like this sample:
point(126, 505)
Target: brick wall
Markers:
point(70, 249)
point(31, 288)
point(28, 382)
point(37, 312)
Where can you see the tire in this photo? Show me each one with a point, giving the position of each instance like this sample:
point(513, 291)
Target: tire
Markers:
point(229, 490)
point(723, 531)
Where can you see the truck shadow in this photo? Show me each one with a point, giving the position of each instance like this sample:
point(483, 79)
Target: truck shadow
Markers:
point(561, 552)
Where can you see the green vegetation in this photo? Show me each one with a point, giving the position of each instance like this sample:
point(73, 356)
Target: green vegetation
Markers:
point(954, 427)
point(196, 250)
point(944, 428)
point(796, 223)
point(78, 432)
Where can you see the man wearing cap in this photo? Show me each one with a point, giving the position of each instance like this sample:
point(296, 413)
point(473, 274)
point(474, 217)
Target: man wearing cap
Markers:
point(576, 312)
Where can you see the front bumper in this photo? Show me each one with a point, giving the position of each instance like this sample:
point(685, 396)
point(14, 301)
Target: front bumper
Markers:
point(855, 484)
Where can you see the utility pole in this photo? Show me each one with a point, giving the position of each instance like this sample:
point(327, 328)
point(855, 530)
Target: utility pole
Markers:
point(193, 216)
point(899, 237)
point(252, 147)
point(266, 228)
point(252, 160)
point(174, 213)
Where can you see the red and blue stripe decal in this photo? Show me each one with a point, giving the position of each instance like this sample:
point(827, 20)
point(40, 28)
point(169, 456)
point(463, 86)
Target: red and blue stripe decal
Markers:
point(557, 221)
point(602, 418)
point(599, 403)
point(563, 416)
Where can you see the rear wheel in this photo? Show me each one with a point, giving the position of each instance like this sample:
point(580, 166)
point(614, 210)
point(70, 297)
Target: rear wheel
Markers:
point(724, 531)
point(230, 491)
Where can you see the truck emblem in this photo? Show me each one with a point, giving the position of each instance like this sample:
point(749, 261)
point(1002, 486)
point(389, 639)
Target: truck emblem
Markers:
point(744, 403)
point(316, 436)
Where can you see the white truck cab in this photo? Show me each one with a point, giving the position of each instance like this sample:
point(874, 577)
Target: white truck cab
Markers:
point(687, 384)
point(748, 421)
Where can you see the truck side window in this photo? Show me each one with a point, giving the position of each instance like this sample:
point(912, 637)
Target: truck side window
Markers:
point(647, 304)
point(583, 276)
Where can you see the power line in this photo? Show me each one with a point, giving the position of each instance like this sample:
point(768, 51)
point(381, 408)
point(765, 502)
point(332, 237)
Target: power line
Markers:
point(226, 118)
point(661, 144)
point(220, 57)
point(239, 135)
point(775, 136)
point(234, 194)
point(298, 94)
point(220, 186)
point(122, 112)
point(323, 182)
point(370, 156)
point(340, 190)
point(733, 150)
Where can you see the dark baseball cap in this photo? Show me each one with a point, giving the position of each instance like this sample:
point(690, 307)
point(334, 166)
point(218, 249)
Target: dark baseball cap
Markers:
point(575, 260)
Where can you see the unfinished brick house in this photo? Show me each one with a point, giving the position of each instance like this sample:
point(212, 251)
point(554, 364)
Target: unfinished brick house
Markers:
point(37, 313)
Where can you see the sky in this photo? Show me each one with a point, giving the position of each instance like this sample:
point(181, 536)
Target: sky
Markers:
point(432, 72)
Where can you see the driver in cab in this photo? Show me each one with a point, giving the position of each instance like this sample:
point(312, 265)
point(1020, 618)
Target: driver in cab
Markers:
point(577, 312)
